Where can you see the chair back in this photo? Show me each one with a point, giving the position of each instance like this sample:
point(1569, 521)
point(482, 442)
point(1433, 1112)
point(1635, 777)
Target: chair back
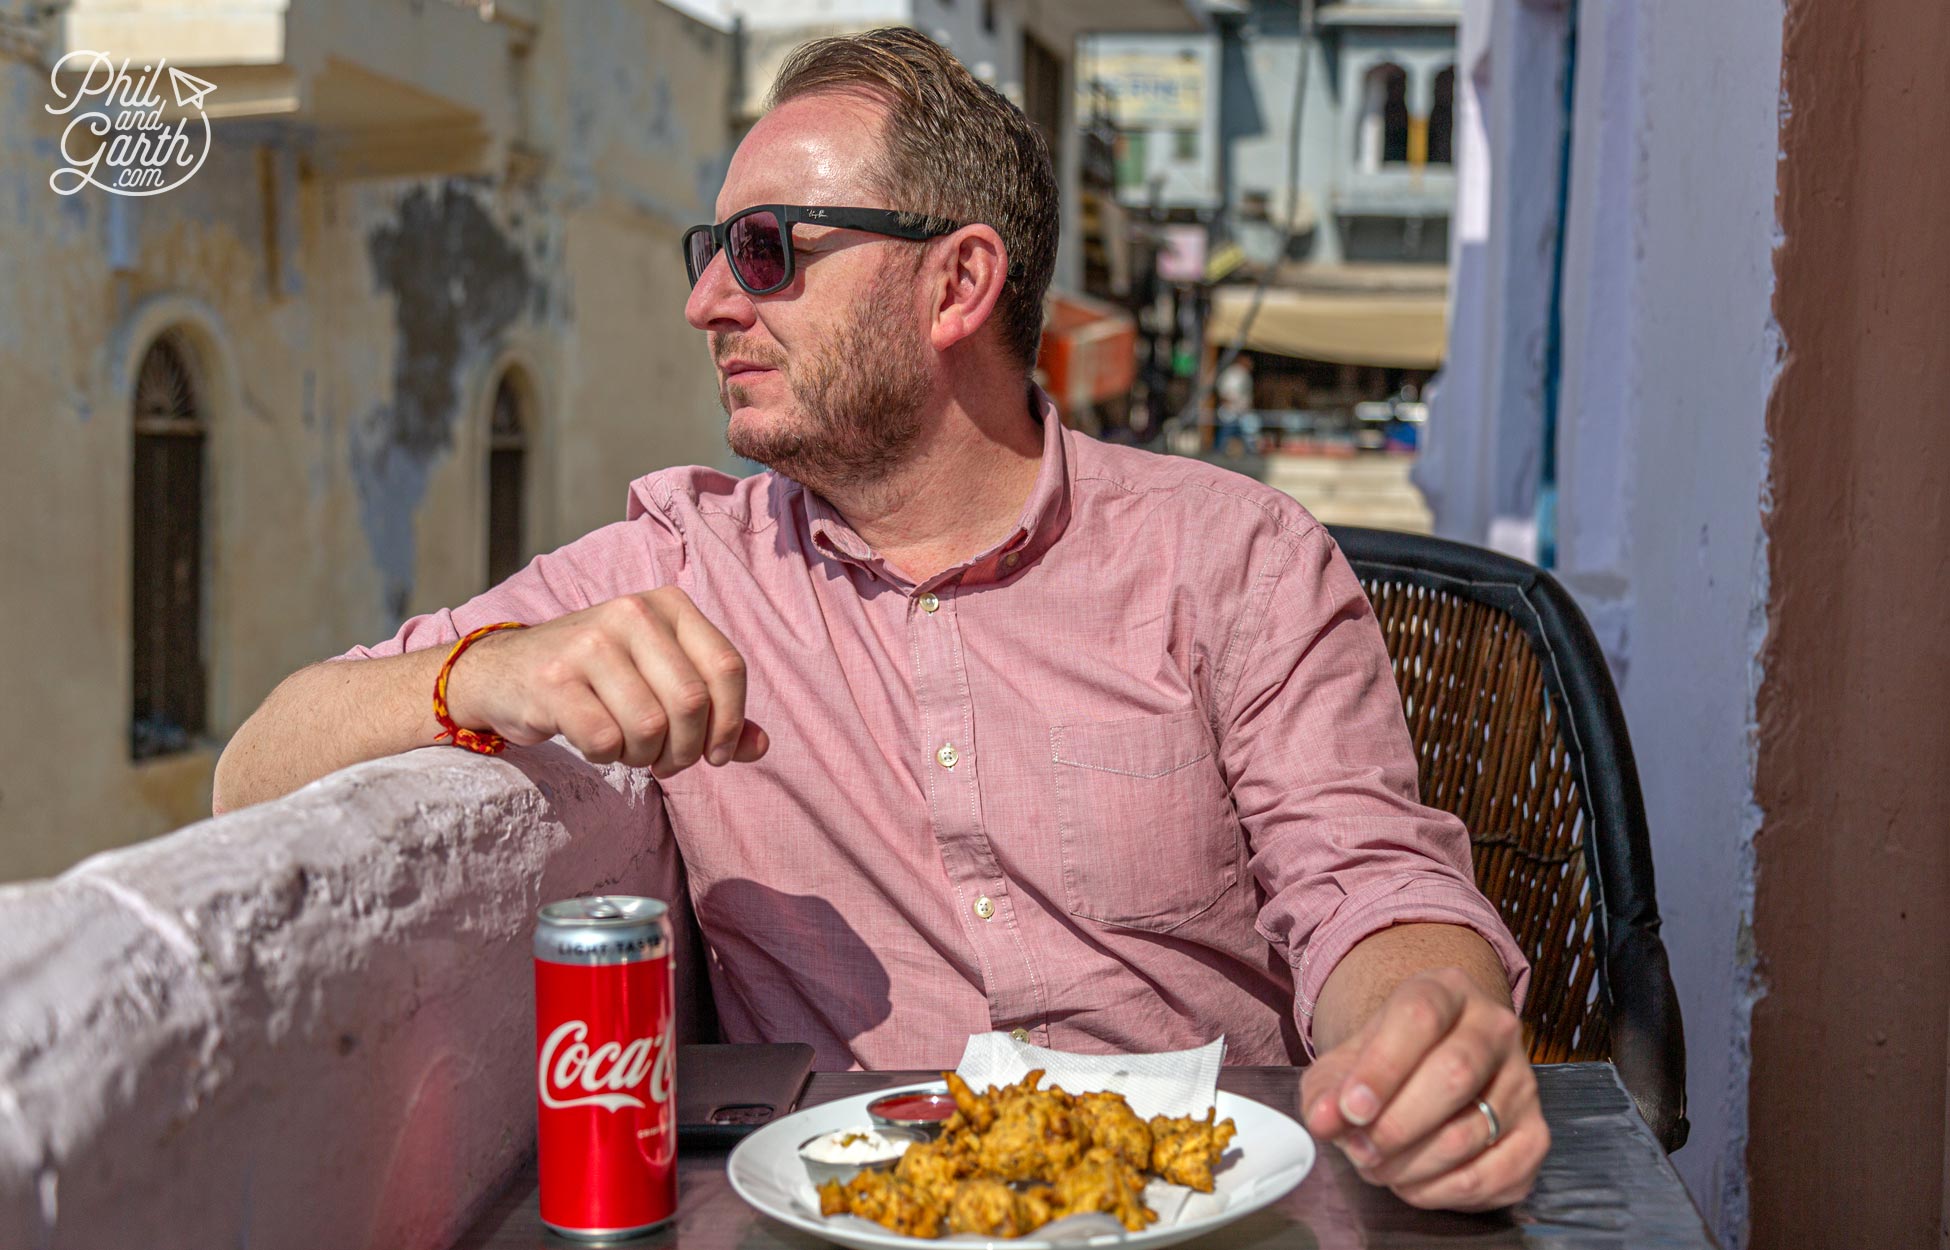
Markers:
point(1519, 732)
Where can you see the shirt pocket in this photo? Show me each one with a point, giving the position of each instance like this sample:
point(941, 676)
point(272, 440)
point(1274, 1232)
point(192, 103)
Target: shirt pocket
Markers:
point(1148, 833)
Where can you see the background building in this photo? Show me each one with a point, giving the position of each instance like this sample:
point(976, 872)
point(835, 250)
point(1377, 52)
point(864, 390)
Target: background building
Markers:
point(418, 316)
point(1313, 145)
point(1207, 126)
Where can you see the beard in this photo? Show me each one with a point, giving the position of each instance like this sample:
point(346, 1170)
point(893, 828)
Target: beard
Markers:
point(857, 401)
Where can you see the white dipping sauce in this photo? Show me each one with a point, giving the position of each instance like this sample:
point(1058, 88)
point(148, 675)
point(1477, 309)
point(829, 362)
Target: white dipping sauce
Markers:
point(854, 1145)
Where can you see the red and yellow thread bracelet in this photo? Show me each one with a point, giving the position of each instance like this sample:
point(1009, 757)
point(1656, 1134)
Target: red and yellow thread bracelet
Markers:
point(482, 741)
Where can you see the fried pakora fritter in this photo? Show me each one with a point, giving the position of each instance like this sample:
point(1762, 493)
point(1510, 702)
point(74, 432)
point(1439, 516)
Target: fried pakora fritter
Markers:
point(1104, 1182)
point(978, 1111)
point(984, 1206)
point(1035, 1136)
point(1184, 1151)
point(1013, 1159)
point(877, 1196)
point(1111, 1124)
point(1036, 1206)
point(934, 1167)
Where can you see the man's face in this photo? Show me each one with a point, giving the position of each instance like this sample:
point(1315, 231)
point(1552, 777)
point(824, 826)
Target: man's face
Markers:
point(825, 380)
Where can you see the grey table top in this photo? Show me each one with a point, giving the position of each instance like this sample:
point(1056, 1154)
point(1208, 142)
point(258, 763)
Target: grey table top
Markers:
point(1605, 1183)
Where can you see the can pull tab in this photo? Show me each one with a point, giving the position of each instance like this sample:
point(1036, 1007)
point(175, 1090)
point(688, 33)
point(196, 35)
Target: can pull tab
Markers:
point(603, 909)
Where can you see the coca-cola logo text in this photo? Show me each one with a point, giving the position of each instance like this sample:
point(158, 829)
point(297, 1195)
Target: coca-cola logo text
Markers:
point(571, 1074)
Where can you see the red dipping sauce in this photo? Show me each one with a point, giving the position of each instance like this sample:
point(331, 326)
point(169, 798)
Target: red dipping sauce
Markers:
point(917, 1108)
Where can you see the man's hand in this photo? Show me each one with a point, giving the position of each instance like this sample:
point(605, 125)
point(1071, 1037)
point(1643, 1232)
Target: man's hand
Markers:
point(1399, 1097)
point(644, 679)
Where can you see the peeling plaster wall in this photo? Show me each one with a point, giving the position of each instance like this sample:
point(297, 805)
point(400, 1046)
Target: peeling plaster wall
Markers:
point(458, 284)
point(308, 1023)
point(643, 156)
point(348, 334)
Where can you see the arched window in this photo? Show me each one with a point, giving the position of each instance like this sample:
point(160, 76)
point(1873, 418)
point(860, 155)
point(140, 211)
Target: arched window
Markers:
point(1442, 119)
point(507, 476)
point(167, 492)
point(1383, 135)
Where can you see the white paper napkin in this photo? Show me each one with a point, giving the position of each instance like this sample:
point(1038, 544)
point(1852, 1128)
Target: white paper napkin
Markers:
point(1173, 1082)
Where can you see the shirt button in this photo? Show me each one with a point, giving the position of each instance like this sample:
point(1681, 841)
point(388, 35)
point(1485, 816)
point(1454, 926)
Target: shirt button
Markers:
point(1021, 1035)
point(1009, 561)
point(929, 603)
point(984, 908)
point(947, 755)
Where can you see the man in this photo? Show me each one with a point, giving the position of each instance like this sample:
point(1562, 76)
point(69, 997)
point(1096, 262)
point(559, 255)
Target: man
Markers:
point(1238, 417)
point(1093, 745)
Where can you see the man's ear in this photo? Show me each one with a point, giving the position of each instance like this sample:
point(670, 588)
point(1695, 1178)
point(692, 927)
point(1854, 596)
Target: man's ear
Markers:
point(971, 271)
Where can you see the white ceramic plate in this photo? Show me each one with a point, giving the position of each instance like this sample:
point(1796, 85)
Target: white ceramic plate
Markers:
point(1269, 1156)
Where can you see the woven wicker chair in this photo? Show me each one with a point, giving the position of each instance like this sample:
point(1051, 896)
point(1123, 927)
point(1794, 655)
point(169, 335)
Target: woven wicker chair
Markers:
point(1520, 734)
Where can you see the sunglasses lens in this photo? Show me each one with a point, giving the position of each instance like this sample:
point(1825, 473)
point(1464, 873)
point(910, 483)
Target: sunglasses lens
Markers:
point(758, 251)
point(698, 250)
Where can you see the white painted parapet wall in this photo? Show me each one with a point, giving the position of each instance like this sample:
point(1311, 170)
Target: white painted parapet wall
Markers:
point(304, 1024)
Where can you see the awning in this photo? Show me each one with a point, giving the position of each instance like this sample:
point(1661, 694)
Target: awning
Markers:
point(1393, 329)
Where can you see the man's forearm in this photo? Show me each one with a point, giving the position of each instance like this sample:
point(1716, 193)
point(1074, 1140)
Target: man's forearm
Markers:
point(1369, 973)
point(327, 717)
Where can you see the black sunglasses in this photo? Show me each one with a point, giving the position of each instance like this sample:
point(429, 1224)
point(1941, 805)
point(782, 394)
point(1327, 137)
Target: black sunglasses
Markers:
point(758, 240)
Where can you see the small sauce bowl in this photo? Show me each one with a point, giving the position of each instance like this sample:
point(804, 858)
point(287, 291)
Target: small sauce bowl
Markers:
point(823, 1170)
point(925, 1111)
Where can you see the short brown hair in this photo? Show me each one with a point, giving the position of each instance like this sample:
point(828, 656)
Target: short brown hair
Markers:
point(955, 149)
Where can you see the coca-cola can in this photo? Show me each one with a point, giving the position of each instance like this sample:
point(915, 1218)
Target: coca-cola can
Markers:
point(606, 1122)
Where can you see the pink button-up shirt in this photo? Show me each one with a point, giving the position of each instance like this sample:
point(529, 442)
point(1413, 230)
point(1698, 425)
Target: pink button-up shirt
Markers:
point(1135, 777)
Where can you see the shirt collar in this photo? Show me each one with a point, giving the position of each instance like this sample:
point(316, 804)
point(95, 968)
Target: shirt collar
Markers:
point(1045, 515)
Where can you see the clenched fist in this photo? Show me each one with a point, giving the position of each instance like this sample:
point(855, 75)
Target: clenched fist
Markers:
point(643, 679)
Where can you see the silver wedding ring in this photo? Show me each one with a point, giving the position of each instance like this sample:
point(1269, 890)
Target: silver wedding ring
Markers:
point(1496, 1125)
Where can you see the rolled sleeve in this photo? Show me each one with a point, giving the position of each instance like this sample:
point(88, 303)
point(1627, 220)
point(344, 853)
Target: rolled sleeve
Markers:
point(1410, 899)
point(1323, 775)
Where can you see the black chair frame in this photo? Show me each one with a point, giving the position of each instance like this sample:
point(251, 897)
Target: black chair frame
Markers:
point(1648, 1043)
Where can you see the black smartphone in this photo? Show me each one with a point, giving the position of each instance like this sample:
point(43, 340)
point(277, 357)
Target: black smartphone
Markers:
point(725, 1092)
